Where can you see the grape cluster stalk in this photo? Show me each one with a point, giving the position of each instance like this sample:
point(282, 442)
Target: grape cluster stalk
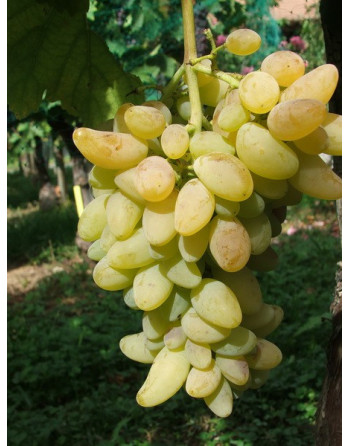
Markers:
point(184, 214)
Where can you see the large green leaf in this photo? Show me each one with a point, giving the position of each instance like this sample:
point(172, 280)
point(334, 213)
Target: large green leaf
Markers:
point(52, 52)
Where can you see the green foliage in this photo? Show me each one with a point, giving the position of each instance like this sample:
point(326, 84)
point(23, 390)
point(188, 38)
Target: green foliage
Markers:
point(42, 235)
point(69, 384)
point(51, 51)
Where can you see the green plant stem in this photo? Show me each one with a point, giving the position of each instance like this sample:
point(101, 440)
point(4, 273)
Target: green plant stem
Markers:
point(232, 79)
point(190, 52)
point(171, 86)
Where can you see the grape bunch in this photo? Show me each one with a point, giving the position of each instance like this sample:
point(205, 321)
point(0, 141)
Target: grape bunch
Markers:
point(182, 220)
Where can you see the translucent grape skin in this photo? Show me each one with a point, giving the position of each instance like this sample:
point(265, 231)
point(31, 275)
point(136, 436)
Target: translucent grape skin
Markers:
point(259, 92)
point(175, 141)
point(154, 179)
point(145, 122)
point(285, 66)
point(243, 42)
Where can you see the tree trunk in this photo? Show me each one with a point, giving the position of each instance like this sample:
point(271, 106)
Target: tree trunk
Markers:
point(60, 174)
point(47, 193)
point(329, 414)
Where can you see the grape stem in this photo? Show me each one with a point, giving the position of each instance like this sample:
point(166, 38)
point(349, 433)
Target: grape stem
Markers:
point(190, 52)
point(172, 85)
point(231, 78)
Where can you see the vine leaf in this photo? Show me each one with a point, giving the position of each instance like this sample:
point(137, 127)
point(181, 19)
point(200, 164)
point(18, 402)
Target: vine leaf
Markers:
point(53, 54)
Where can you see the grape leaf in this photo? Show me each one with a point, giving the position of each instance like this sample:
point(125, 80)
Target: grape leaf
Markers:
point(52, 52)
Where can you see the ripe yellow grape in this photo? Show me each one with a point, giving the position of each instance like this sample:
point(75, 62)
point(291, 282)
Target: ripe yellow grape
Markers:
point(240, 342)
point(102, 178)
point(252, 207)
point(216, 303)
point(259, 231)
point(264, 154)
point(193, 247)
point(227, 208)
point(259, 92)
point(202, 78)
point(220, 402)
point(211, 93)
point(93, 219)
point(154, 178)
point(175, 141)
point(243, 42)
point(145, 122)
point(285, 66)
point(266, 356)
point(119, 121)
point(133, 346)
point(183, 106)
point(229, 243)
point(112, 279)
point(194, 207)
point(316, 178)
point(158, 220)
point(162, 108)
point(235, 370)
point(110, 150)
point(208, 141)
point(224, 175)
point(314, 143)
point(333, 127)
point(232, 117)
point(202, 382)
point(318, 84)
point(295, 119)
point(123, 215)
point(199, 355)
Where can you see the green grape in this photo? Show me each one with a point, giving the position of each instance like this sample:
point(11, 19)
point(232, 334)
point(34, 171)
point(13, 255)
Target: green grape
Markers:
point(110, 150)
point(175, 141)
point(166, 251)
point(154, 324)
point(275, 223)
point(123, 215)
point(216, 303)
point(183, 274)
point(202, 383)
point(235, 370)
point(107, 239)
point(220, 402)
point(151, 287)
point(258, 378)
point(166, 376)
point(203, 78)
point(119, 124)
point(295, 119)
point(199, 355)
point(177, 303)
point(125, 181)
point(132, 252)
point(93, 219)
point(243, 42)
point(112, 279)
point(252, 207)
point(134, 347)
point(314, 143)
point(100, 178)
point(175, 338)
point(154, 178)
point(259, 92)
point(266, 261)
point(193, 247)
point(232, 117)
point(194, 207)
point(245, 286)
point(265, 155)
point(265, 356)
point(206, 142)
point(262, 317)
point(158, 220)
point(269, 327)
point(162, 108)
point(95, 252)
point(316, 178)
point(144, 121)
point(333, 127)
point(240, 342)
point(271, 189)
point(318, 84)
point(97, 192)
point(183, 106)
point(285, 66)
point(129, 298)
point(259, 231)
point(200, 331)
point(212, 93)
point(229, 244)
point(226, 208)
point(224, 175)
point(155, 345)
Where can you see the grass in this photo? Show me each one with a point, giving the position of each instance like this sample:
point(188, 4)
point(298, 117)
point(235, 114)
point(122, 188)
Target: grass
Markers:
point(70, 385)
